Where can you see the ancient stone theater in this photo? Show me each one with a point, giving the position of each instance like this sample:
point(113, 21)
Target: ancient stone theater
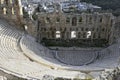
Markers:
point(66, 40)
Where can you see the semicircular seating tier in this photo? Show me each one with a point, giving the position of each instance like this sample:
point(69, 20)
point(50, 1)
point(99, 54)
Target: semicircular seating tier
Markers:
point(96, 59)
point(21, 56)
point(14, 61)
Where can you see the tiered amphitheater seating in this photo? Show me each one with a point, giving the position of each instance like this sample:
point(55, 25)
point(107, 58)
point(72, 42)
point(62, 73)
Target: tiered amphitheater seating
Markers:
point(14, 61)
point(23, 57)
point(11, 58)
point(108, 57)
point(41, 54)
point(38, 52)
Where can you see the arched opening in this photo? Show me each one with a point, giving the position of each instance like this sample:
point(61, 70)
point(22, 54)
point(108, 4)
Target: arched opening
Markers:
point(2, 1)
point(90, 19)
point(88, 34)
point(80, 19)
point(58, 34)
point(47, 20)
point(25, 27)
point(4, 11)
point(13, 11)
point(53, 34)
point(100, 20)
point(74, 21)
point(67, 20)
point(99, 35)
point(73, 34)
point(57, 20)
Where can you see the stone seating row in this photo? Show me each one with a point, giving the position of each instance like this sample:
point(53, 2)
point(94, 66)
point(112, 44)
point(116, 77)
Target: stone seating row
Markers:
point(15, 62)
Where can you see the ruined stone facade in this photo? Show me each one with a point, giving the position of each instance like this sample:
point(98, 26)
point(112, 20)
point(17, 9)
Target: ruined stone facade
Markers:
point(84, 26)
point(11, 10)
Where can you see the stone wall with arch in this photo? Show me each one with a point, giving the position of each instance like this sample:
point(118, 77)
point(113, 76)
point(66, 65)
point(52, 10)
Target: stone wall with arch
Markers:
point(11, 10)
point(100, 26)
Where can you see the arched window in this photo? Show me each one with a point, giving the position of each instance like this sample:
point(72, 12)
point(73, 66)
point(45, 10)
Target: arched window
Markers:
point(73, 34)
point(57, 20)
point(99, 35)
point(111, 22)
point(58, 34)
point(2, 1)
point(74, 21)
point(100, 19)
point(80, 19)
point(53, 34)
point(88, 34)
point(47, 20)
point(4, 11)
point(26, 27)
point(90, 19)
point(67, 20)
